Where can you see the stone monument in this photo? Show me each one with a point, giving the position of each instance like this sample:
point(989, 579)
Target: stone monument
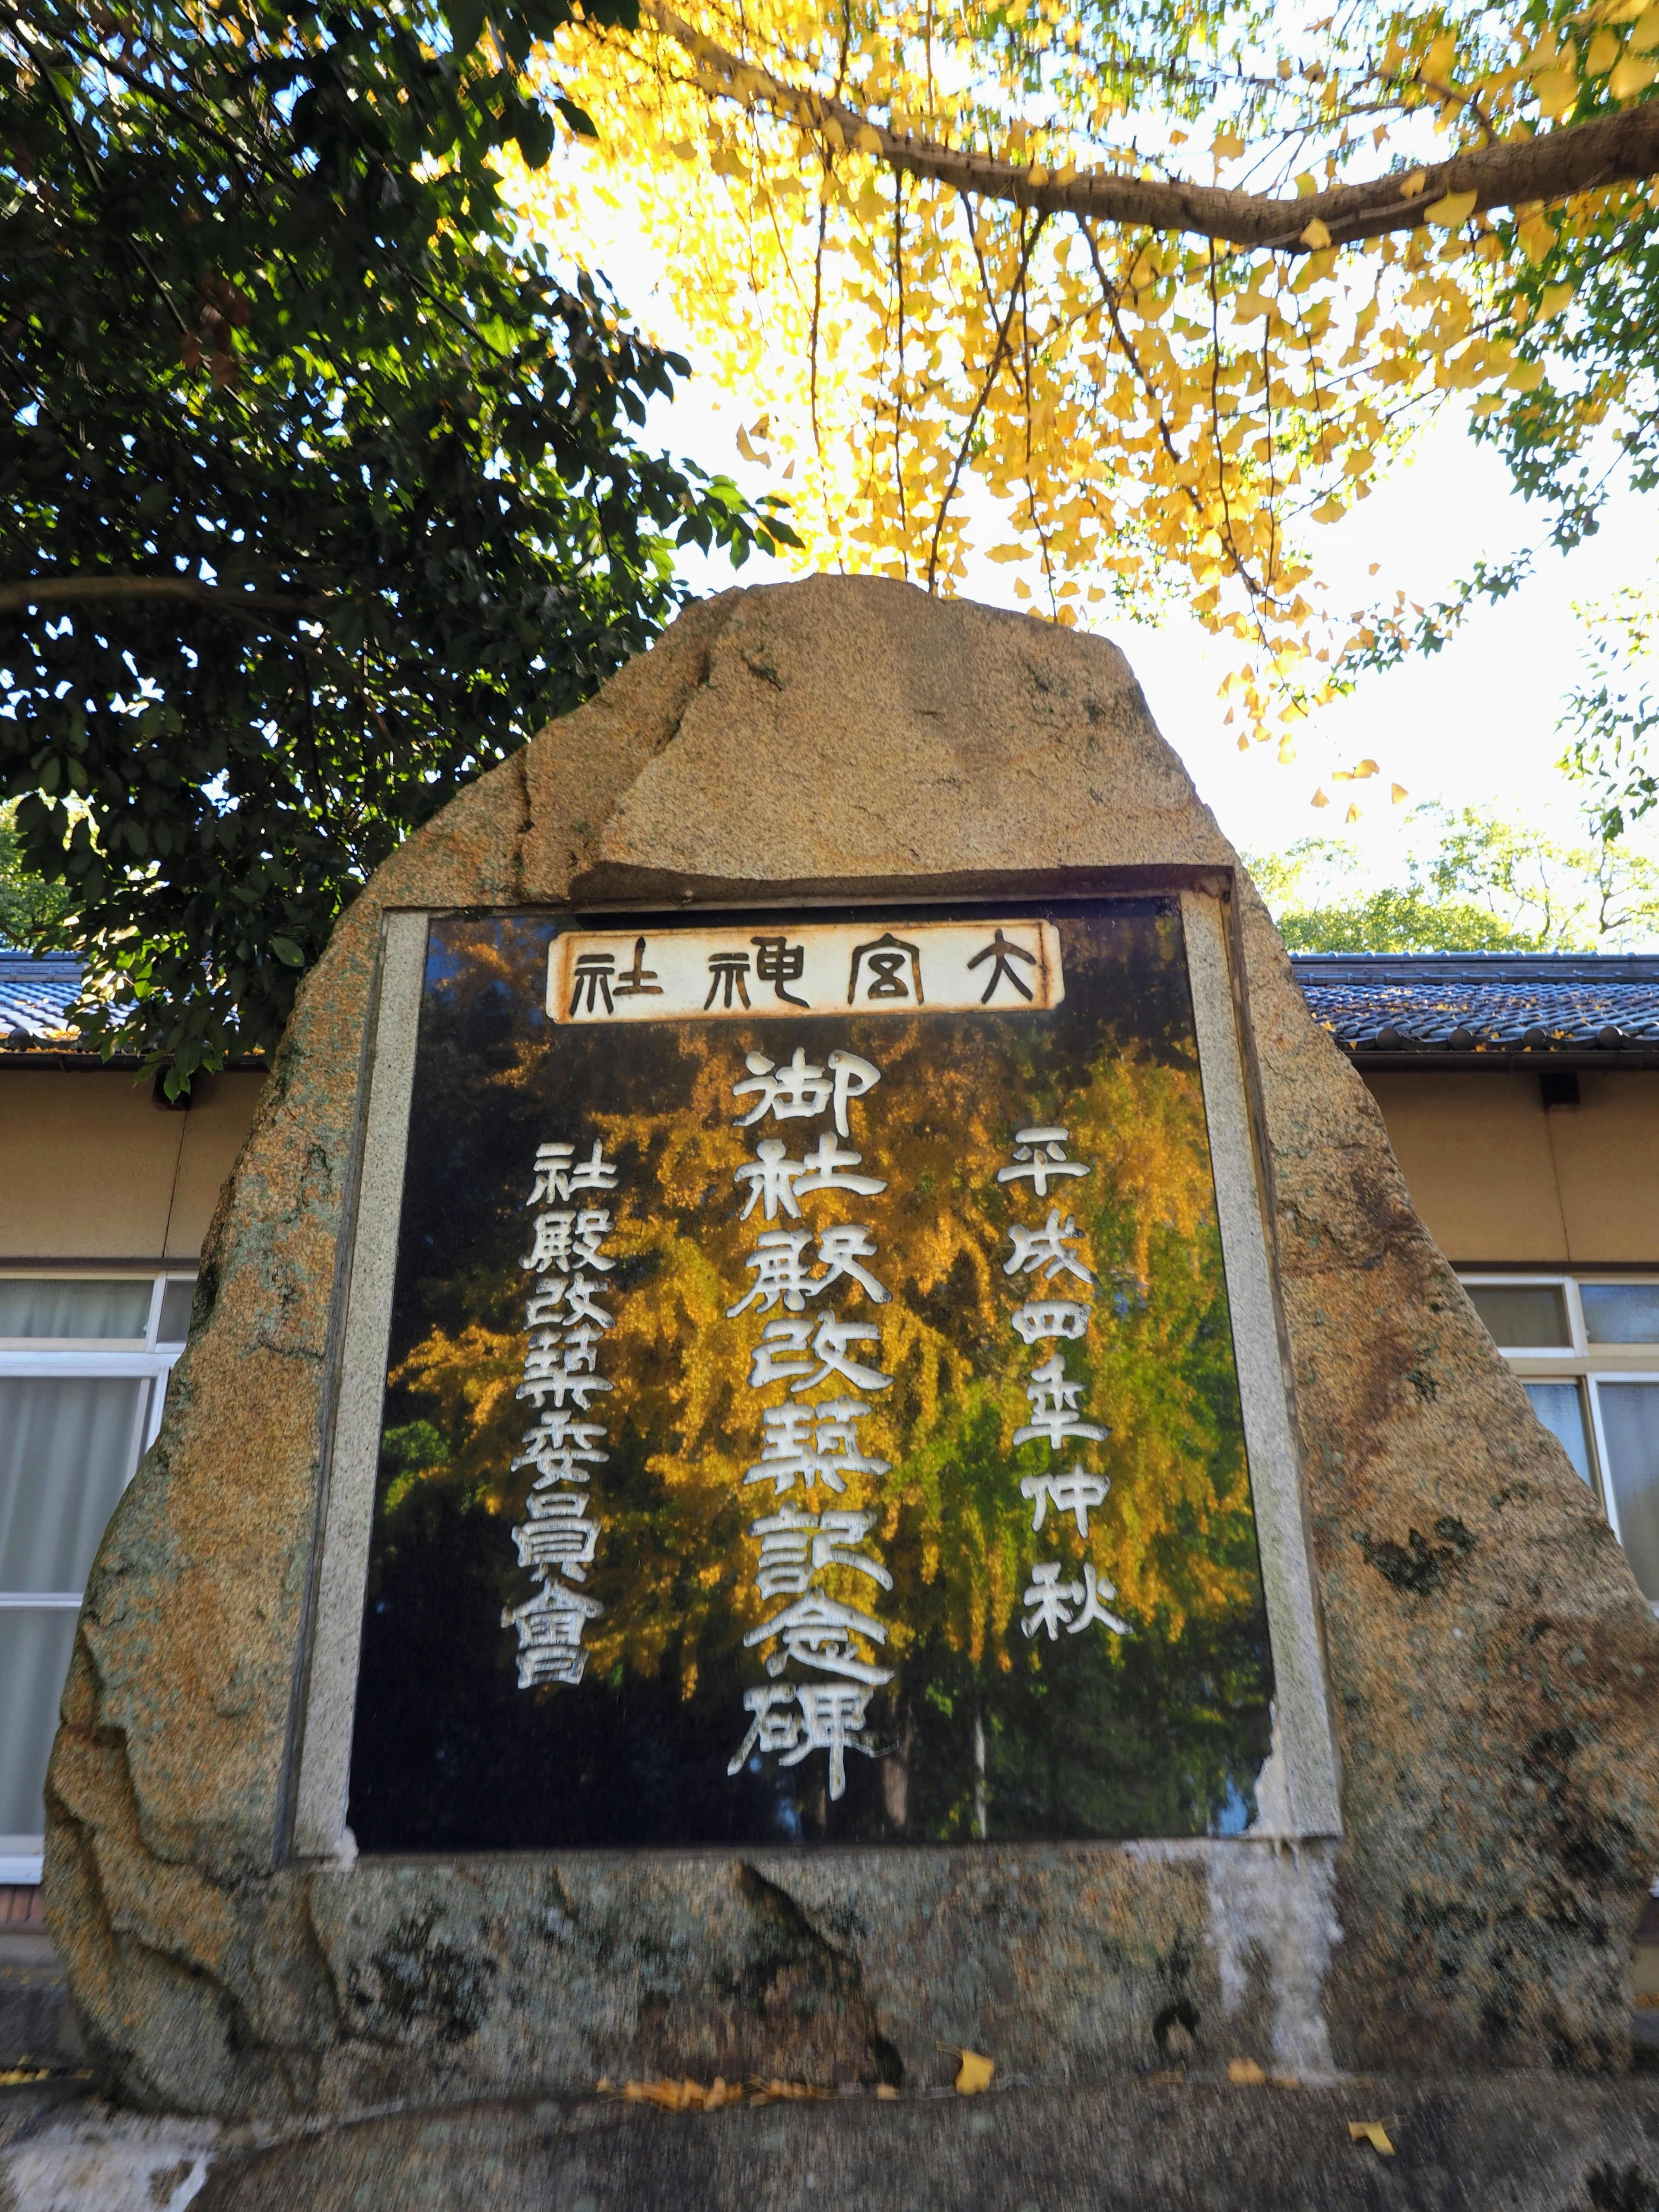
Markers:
point(816, 1426)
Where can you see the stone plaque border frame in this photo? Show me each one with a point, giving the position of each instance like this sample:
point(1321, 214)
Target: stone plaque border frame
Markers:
point(1299, 1799)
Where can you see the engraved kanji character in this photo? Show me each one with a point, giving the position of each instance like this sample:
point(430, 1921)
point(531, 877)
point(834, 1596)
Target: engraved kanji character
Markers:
point(776, 1724)
point(561, 1449)
point(777, 963)
point(830, 1342)
point(549, 1626)
point(832, 1718)
point(549, 1373)
point(1078, 1493)
point(1054, 1407)
point(800, 1090)
point(817, 1631)
point(638, 981)
point(796, 1545)
point(575, 1293)
point(1051, 1600)
point(1041, 1317)
point(567, 1240)
point(1001, 951)
point(559, 1173)
point(1095, 1588)
point(1045, 1247)
point(727, 970)
point(840, 1248)
point(790, 1093)
point(885, 961)
point(1040, 1158)
point(810, 1444)
point(825, 1167)
point(557, 1536)
point(779, 1262)
point(771, 1180)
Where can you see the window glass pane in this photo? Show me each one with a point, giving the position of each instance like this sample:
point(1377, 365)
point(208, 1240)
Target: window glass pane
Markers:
point(1621, 1312)
point(1558, 1407)
point(1630, 1421)
point(66, 1446)
point(74, 1305)
point(1522, 1313)
point(34, 1657)
point(174, 1324)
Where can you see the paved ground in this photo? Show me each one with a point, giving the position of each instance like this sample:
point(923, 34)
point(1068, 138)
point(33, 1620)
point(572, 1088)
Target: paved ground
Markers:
point(1517, 2143)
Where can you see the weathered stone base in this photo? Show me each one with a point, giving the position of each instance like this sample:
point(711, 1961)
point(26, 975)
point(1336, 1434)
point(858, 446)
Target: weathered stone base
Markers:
point(1497, 2143)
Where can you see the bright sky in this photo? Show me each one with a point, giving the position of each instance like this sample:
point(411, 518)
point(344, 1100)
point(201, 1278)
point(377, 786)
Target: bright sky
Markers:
point(1475, 725)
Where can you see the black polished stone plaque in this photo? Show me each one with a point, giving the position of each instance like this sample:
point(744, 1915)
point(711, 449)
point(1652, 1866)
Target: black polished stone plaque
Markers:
point(810, 1413)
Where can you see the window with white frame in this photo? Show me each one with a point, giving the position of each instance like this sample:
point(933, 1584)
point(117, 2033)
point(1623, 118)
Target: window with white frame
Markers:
point(83, 1366)
point(1586, 1351)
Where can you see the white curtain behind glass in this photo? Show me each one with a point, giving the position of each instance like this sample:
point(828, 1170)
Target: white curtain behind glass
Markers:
point(34, 1657)
point(68, 1443)
point(1630, 1421)
point(72, 1306)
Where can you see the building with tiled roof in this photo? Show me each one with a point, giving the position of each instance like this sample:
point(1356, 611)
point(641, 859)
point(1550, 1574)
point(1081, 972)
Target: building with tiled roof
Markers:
point(36, 993)
point(1577, 1010)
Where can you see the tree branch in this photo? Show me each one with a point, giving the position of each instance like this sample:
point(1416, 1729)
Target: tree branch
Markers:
point(69, 591)
point(1613, 150)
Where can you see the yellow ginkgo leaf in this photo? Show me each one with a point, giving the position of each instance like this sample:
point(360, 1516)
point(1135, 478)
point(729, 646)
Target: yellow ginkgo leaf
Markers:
point(1319, 799)
point(1438, 62)
point(1556, 89)
point(1410, 186)
point(1226, 146)
point(1246, 2073)
point(1645, 37)
point(1287, 754)
point(1447, 214)
point(1353, 815)
point(1396, 793)
point(1374, 2133)
point(1554, 298)
point(1365, 767)
point(1603, 53)
point(1631, 77)
point(866, 140)
point(975, 2072)
point(1315, 236)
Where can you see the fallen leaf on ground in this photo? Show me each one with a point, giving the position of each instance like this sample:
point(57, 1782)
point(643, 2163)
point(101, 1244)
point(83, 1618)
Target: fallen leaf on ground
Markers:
point(976, 2071)
point(1245, 2072)
point(1374, 2133)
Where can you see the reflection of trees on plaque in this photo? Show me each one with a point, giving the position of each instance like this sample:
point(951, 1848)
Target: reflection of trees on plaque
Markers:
point(1059, 1549)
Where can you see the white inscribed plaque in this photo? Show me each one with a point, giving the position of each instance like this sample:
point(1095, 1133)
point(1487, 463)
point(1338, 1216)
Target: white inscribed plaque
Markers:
point(815, 968)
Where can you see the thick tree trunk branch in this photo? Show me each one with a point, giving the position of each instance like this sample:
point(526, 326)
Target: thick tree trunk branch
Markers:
point(71, 591)
point(1614, 149)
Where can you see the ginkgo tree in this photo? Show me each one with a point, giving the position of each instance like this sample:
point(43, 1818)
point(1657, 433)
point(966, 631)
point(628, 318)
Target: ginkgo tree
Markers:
point(1138, 298)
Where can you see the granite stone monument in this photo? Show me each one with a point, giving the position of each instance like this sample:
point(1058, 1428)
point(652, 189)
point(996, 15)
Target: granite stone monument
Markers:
point(818, 1427)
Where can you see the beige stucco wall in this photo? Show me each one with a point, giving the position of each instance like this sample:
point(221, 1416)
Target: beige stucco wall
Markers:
point(1498, 1176)
point(95, 1170)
